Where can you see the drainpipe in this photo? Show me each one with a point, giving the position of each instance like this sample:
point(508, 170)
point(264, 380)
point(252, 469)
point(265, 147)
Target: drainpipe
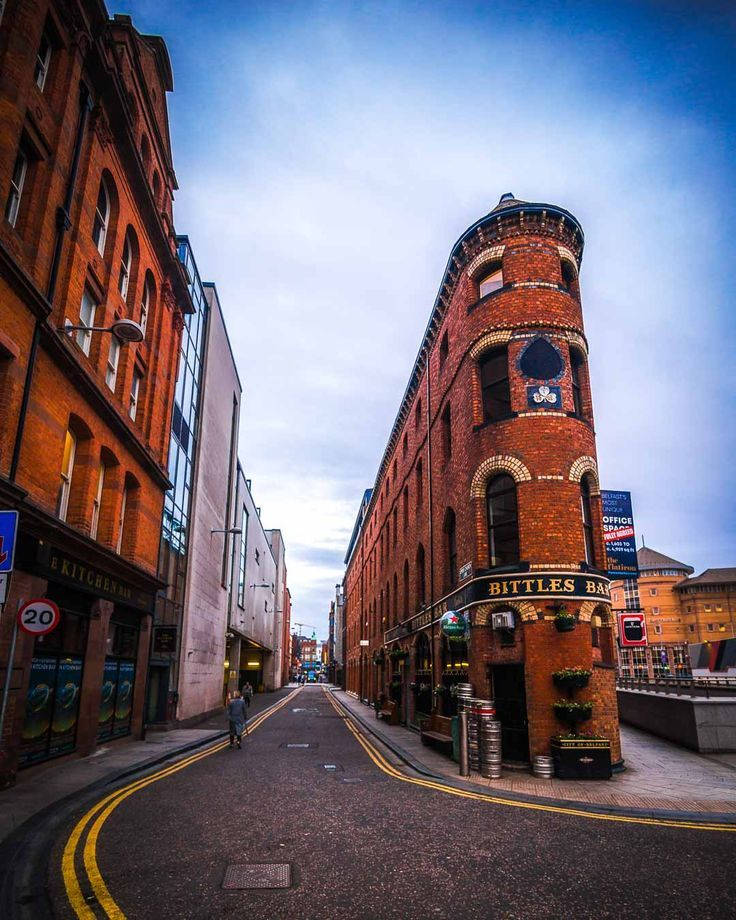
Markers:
point(431, 531)
point(63, 224)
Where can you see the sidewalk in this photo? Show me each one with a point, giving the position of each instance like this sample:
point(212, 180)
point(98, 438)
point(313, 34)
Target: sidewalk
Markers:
point(659, 776)
point(48, 783)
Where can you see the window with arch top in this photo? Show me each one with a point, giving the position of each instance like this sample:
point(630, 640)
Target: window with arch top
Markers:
point(495, 385)
point(492, 280)
point(577, 380)
point(569, 275)
point(586, 510)
point(102, 218)
point(503, 521)
point(126, 265)
point(451, 548)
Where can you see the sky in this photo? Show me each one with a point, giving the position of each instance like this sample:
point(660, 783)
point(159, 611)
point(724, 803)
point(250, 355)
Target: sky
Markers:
point(329, 154)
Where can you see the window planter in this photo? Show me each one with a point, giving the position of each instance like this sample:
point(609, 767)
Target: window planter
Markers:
point(564, 622)
point(581, 758)
point(398, 654)
point(572, 712)
point(571, 678)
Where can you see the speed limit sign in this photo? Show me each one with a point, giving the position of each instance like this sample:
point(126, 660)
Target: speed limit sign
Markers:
point(39, 616)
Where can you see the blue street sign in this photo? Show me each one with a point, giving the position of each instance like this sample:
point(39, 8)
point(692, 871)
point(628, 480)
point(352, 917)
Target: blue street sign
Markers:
point(8, 531)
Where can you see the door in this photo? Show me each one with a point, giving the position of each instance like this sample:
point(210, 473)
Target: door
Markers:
point(509, 694)
point(158, 691)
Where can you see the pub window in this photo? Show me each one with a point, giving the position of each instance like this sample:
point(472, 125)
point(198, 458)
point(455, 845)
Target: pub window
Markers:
point(503, 521)
point(577, 365)
point(587, 519)
point(447, 431)
point(493, 281)
point(67, 468)
point(495, 387)
point(97, 501)
point(43, 61)
point(102, 218)
point(421, 577)
point(451, 548)
point(17, 181)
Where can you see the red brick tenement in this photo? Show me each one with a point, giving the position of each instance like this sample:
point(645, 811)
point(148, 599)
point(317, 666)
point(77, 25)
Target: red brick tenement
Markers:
point(487, 498)
point(86, 239)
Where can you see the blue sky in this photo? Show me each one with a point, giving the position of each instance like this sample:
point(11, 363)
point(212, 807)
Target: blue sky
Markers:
point(328, 156)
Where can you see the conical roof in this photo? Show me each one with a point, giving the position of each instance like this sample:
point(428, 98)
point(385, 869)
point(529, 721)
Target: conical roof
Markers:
point(650, 559)
point(507, 200)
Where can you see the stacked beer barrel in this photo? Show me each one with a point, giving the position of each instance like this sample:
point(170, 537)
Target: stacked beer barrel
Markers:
point(484, 739)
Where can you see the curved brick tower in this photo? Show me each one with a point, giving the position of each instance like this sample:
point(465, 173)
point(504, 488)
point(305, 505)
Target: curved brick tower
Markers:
point(487, 499)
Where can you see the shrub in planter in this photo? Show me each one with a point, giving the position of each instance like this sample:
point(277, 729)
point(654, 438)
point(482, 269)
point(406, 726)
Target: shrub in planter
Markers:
point(564, 622)
point(398, 654)
point(571, 678)
point(572, 712)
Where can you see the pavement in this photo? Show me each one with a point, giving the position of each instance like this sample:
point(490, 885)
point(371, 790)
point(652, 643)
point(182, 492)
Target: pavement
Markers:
point(365, 838)
point(40, 787)
point(659, 776)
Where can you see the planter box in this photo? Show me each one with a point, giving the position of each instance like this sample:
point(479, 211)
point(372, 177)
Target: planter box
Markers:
point(581, 758)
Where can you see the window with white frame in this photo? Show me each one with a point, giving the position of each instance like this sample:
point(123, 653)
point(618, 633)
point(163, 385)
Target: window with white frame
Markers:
point(113, 357)
point(86, 320)
point(67, 468)
point(17, 181)
point(121, 521)
point(97, 501)
point(135, 388)
point(43, 60)
point(125, 264)
point(145, 306)
point(102, 218)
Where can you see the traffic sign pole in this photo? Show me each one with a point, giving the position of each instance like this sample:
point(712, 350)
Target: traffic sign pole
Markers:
point(8, 672)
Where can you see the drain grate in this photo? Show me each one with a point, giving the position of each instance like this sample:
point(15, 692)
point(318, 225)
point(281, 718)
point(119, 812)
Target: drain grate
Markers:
point(258, 875)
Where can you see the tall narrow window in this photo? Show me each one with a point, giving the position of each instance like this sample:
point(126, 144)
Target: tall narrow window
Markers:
point(121, 521)
point(447, 431)
point(420, 482)
point(576, 371)
point(494, 381)
point(451, 548)
point(67, 468)
point(406, 589)
point(421, 578)
point(125, 265)
point(405, 447)
point(102, 218)
point(503, 521)
point(569, 275)
point(135, 389)
point(86, 320)
point(396, 525)
point(396, 599)
point(97, 501)
point(43, 60)
point(243, 552)
point(17, 181)
point(418, 414)
point(406, 507)
point(444, 348)
point(587, 517)
point(491, 282)
point(113, 357)
point(145, 306)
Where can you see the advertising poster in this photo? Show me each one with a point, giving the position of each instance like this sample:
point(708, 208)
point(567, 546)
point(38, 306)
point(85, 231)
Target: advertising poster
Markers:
point(107, 698)
point(124, 701)
point(66, 705)
point(618, 534)
point(39, 709)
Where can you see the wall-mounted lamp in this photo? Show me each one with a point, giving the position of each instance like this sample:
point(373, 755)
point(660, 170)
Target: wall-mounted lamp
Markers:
point(266, 584)
point(127, 330)
point(232, 530)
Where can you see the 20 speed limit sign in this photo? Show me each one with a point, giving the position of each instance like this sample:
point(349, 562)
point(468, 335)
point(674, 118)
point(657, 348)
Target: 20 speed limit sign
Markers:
point(39, 616)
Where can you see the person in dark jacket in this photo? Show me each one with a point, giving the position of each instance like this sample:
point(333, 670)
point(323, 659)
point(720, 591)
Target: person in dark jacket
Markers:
point(237, 714)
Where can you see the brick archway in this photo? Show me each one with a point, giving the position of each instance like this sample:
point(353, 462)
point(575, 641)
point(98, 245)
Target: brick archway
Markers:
point(582, 466)
point(525, 609)
point(499, 464)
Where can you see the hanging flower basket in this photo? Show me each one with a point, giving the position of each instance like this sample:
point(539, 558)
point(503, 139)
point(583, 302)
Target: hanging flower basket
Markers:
point(398, 654)
point(379, 657)
point(571, 678)
point(564, 622)
point(573, 712)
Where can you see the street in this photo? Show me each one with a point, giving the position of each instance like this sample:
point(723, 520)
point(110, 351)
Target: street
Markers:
point(363, 842)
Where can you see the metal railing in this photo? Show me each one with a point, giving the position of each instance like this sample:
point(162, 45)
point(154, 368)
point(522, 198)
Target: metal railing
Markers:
point(693, 686)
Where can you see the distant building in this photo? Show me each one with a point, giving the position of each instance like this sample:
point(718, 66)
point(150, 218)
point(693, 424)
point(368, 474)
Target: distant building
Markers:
point(339, 674)
point(281, 606)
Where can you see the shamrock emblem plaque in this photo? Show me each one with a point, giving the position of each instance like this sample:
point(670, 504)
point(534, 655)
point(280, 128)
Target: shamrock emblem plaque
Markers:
point(544, 397)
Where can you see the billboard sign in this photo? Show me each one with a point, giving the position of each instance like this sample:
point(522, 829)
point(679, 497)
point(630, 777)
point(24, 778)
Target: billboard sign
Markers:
point(632, 630)
point(618, 535)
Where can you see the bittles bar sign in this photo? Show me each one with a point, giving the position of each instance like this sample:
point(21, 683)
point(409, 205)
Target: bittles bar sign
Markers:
point(618, 534)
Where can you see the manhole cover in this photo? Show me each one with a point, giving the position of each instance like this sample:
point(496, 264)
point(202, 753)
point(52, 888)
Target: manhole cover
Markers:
point(299, 745)
point(258, 875)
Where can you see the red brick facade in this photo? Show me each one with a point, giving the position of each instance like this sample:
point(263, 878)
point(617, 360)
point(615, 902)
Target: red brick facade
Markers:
point(427, 482)
point(83, 102)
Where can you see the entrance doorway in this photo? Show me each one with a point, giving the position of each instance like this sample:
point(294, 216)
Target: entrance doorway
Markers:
point(509, 694)
point(158, 693)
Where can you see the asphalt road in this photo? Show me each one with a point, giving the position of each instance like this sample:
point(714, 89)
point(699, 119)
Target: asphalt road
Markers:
point(363, 844)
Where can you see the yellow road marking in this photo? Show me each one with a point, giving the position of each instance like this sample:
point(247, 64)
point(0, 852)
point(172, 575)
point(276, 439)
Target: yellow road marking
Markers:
point(103, 809)
point(380, 761)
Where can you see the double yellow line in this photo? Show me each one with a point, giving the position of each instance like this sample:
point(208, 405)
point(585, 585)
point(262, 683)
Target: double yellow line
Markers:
point(102, 811)
point(380, 761)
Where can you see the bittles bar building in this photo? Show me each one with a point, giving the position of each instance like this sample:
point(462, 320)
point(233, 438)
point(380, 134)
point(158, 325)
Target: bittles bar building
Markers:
point(487, 499)
point(87, 241)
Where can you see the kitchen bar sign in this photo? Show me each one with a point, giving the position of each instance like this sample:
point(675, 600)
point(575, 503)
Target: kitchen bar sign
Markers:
point(618, 535)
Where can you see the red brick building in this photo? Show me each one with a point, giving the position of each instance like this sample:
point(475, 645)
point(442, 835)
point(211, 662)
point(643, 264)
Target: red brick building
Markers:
point(86, 239)
point(487, 497)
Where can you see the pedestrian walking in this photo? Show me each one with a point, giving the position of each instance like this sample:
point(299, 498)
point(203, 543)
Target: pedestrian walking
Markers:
point(237, 714)
point(247, 693)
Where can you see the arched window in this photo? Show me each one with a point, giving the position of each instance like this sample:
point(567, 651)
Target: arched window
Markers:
point(156, 188)
point(420, 482)
point(446, 419)
point(503, 521)
point(146, 302)
point(421, 578)
point(494, 383)
point(405, 612)
point(577, 364)
point(97, 501)
point(492, 281)
point(569, 275)
point(126, 265)
point(587, 518)
point(423, 653)
point(67, 469)
point(396, 599)
point(102, 218)
point(406, 507)
point(451, 548)
point(145, 154)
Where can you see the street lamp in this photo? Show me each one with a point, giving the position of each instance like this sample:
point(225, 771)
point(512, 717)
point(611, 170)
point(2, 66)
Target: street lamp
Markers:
point(232, 530)
point(127, 330)
point(266, 584)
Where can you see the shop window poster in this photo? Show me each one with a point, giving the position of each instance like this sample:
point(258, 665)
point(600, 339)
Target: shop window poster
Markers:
point(39, 708)
point(66, 705)
point(107, 697)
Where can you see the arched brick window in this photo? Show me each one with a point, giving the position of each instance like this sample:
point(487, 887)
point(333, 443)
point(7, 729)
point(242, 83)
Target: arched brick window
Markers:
point(421, 577)
point(450, 549)
point(503, 521)
point(102, 218)
point(494, 384)
point(405, 612)
point(587, 519)
point(396, 600)
point(491, 280)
